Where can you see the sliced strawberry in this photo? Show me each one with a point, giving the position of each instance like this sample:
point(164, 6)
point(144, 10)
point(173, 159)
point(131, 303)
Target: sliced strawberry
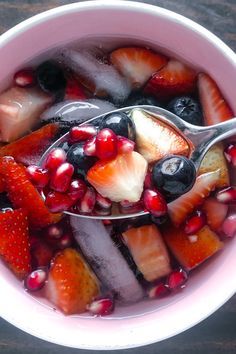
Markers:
point(180, 208)
point(23, 194)
point(28, 150)
point(175, 79)
point(121, 178)
point(148, 250)
point(14, 241)
point(215, 108)
point(215, 160)
point(215, 211)
point(71, 284)
point(155, 139)
point(189, 251)
point(20, 109)
point(137, 64)
point(74, 90)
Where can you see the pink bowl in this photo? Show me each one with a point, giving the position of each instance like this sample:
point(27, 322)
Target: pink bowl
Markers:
point(215, 282)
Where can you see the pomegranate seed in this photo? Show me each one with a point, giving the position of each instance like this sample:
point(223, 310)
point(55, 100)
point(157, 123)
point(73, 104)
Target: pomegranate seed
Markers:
point(77, 189)
point(229, 226)
point(61, 177)
point(124, 145)
point(230, 154)
point(58, 202)
point(154, 202)
point(107, 222)
point(103, 202)
point(106, 144)
point(90, 147)
point(148, 181)
point(227, 195)
point(101, 307)
point(35, 280)
point(158, 291)
point(87, 203)
point(38, 176)
point(53, 232)
point(24, 78)
point(177, 279)
point(82, 133)
point(55, 158)
point(65, 241)
point(195, 223)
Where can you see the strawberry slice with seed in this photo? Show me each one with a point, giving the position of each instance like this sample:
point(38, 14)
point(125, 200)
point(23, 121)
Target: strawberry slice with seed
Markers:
point(174, 79)
point(215, 212)
point(14, 241)
point(29, 149)
point(215, 108)
point(180, 208)
point(137, 64)
point(23, 194)
point(71, 283)
point(189, 251)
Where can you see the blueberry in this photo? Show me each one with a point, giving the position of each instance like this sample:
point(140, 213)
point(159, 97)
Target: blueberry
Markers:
point(120, 123)
point(186, 108)
point(138, 99)
point(50, 77)
point(174, 175)
point(79, 160)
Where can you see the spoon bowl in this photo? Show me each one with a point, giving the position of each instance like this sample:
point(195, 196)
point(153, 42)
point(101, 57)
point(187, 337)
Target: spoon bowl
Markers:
point(199, 139)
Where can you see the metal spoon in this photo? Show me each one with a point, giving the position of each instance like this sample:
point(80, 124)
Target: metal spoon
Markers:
point(199, 138)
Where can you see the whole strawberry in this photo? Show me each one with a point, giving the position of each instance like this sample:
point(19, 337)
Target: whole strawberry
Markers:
point(14, 241)
point(23, 194)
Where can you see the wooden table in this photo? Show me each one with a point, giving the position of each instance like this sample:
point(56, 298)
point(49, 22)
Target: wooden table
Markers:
point(217, 334)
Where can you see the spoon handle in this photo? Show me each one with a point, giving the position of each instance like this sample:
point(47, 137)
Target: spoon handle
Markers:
point(204, 137)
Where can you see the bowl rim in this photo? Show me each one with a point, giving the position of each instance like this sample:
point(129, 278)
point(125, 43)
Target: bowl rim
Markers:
point(48, 15)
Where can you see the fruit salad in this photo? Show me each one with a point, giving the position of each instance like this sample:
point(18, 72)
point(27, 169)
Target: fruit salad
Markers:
point(126, 160)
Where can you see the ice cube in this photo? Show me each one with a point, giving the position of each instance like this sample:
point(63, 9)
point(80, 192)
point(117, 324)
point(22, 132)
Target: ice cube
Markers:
point(75, 112)
point(105, 259)
point(104, 76)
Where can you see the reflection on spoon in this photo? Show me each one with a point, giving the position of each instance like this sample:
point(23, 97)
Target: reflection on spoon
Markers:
point(167, 133)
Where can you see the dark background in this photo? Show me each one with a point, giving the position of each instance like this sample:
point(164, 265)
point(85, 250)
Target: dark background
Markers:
point(217, 334)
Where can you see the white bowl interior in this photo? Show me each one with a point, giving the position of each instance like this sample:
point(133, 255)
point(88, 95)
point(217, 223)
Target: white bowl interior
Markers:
point(215, 281)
